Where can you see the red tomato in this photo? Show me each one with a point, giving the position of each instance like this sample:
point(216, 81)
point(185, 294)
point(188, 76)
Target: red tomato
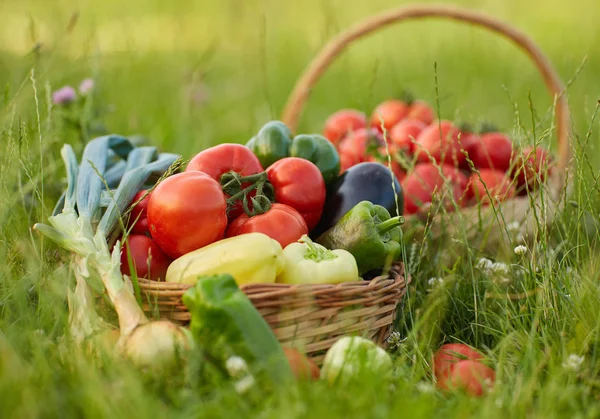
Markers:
point(342, 122)
point(381, 157)
point(494, 151)
point(473, 377)
point(531, 167)
point(422, 111)
point(302, 367)
point(404, 133)
point(391, 112)
point(498, 185)
point(451, 353)
point(282, 223)
point(139, 214)
point(440, 141)
point(223, 158)
point(346, 162)
point(425, 180)
point(299, 184)
point(148, 259)
point(355, 146)
point(186, 212)
point(469, 142)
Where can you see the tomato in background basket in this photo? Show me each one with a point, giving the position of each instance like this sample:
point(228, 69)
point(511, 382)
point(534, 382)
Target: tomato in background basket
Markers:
point(440, 142)
point(469, 142)
point(281, 222)
point(342, 122)
point(149, 261)
point(532, 166)
point(390, 112)
point(356, 146)
point(425, 181)
point(299, 184)
point(186, 212)
point(220, 159)
point(421, 111)
point(381, 156)
point(498, 185)
point(494, 151)
point(404, 134)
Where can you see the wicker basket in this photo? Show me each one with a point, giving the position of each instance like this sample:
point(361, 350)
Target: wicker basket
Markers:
point(529, 212)
point(309, 317)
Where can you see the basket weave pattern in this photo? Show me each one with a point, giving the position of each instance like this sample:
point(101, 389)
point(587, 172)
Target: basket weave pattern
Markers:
point(309, 317)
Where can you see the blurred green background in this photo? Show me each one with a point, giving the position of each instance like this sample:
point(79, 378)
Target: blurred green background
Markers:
point(190, 74)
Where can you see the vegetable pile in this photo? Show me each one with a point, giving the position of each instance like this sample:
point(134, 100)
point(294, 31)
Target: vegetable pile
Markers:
point(437, 160)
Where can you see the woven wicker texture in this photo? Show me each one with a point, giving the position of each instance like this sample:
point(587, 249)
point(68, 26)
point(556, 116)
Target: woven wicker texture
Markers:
point(308, 317)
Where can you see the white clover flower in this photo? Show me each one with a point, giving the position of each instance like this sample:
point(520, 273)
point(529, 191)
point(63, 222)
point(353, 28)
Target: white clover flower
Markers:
point(573, 363)
point(395, 339)
point(505, 280)
point(520, 250)
point(485, 265)
point(499, 402)
point(435, 282)
point(242, 386)
point(500, 268)
point(236, 366)
point(513, 226)
point(425, 387)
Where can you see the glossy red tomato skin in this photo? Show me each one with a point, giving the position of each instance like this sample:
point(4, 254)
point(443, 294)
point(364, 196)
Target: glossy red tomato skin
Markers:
point(343, 122)
point(421, 111)
point(498, 185)
point(494, 151)
point(187, 211)
point(139, 214)
point(451, 353)
point(223, 158)
point(405, 133)
point(440, 141)
point(532, 166)
point(282, 223)
point(299, 184)
point(391, 112)
point(141, 248)
point(420, 185)
point(473, 377)
point(354, 148)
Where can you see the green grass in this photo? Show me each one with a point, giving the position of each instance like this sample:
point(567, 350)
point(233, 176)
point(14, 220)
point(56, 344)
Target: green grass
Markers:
point(241, 60)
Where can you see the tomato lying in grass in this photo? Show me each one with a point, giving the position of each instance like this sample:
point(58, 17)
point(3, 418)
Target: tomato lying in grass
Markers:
point(494, 151)
point(404, 134)
point(421, 111)
point(302, 367)
point(390, 112)
point(149, 261)
point(282, 223)
point(451, 353)
point(498, 185)
point(223, 158)
point(440, 142)
point(473, 377)
point(532, 166)
point(343, 122)
point(356, 146)
point(425, 182)
point(139, 213)
point(299, 184)
point(186, 212)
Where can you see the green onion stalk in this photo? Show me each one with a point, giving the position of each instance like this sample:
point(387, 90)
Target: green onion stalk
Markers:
point(85, 220)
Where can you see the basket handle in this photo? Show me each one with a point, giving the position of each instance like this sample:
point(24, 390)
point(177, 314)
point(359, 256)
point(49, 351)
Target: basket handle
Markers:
point(313, 72)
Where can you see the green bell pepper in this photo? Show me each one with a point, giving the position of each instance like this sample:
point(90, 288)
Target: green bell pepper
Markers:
point(272, 143)
point(226, 324)
point(320, 151)
point(368, 232)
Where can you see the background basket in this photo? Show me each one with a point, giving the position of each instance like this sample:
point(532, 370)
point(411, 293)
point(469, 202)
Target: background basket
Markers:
point(538, 209)
point(309, 317)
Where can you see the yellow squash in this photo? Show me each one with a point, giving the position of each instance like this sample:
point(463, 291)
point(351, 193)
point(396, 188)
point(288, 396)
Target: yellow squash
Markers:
point(249, 258)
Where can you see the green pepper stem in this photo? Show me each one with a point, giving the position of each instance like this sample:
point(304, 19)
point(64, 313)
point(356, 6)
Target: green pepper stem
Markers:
point(390, 224)
point(315, 251)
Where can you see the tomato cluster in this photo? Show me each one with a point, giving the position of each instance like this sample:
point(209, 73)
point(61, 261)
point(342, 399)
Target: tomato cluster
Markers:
point(223, 192)
point(436, 159)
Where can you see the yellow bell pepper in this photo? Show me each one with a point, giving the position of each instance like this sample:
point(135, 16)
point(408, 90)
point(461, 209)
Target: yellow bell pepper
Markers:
point(307, 262)
point(249, 258)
